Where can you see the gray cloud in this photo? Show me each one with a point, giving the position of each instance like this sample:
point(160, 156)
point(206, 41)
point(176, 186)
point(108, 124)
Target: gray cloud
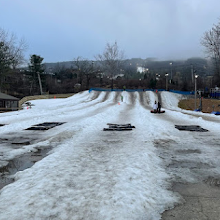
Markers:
point(61, 30)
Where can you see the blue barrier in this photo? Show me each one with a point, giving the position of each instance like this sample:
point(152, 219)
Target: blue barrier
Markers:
point(215, 113)
point(116, 90)
point(182, 92)
point(142, 90)
point(215, 95)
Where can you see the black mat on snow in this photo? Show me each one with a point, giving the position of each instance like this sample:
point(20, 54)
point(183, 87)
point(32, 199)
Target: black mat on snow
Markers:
point(45, 126)
point(190, 128)
point(118, 127)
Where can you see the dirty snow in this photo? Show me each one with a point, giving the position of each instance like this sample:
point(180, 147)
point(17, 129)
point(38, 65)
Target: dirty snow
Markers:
point(93, 174)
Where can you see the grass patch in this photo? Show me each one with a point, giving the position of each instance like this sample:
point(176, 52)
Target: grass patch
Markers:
point(208, 105)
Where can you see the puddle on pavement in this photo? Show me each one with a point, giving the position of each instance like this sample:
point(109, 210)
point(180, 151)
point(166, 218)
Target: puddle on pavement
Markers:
point(16, 141)
point(21, 163)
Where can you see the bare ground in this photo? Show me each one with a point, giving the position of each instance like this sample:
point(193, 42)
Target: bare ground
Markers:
point(208, 105)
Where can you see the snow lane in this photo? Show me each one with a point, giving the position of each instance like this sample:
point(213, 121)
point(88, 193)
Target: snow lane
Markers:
point(93, 174)
point(44, 110)
point(73, 116)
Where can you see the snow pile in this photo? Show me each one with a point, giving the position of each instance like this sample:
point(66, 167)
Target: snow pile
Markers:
point(94, 174)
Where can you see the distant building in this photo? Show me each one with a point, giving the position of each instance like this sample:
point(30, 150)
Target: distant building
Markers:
point(8, 102)
point(140, 69)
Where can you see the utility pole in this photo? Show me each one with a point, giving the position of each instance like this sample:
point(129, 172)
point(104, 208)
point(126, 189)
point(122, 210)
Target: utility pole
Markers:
point(196, 76)
point(166, 75)
point(192, 72)
point(171, 73)
point(39, 79)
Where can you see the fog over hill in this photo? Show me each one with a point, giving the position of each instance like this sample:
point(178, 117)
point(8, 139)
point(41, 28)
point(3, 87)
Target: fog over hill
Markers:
point(200, 64)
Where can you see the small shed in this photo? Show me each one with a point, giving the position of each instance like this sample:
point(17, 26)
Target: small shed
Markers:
point(8, 102)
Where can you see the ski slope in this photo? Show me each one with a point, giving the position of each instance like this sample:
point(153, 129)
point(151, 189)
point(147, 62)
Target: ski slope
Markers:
point(95, 174)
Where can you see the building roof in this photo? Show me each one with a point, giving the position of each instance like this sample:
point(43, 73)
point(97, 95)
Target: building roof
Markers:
point(7, 97)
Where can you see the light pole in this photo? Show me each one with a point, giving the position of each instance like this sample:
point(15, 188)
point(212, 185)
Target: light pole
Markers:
point(166, 75)
point(140, 82)
point(157, 76)
point(171, 73)
point(196, 76)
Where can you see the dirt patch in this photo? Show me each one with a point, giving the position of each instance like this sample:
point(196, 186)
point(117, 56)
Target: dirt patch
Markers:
point(212, 182)
point(163, 142)
point(117, 96)
point(189, 151)
point(106, 96)
point(189, 164)
point(208, 105)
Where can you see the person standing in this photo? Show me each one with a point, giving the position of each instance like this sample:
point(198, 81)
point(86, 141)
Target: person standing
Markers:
point(158, 107)
point(155, 106)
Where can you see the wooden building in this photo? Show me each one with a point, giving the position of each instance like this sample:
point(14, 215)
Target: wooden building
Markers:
point(8, 102)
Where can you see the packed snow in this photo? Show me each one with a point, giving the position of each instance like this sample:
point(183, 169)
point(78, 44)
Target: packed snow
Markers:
point(95, 174)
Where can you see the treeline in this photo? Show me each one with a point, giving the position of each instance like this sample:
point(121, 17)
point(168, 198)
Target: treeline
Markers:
point(133, 74)
point(108, 70)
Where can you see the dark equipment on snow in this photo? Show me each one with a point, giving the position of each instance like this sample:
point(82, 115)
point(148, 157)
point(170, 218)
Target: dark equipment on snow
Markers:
point(155, 111)
point(45, 126)
point(118, 127)
point(190, 128)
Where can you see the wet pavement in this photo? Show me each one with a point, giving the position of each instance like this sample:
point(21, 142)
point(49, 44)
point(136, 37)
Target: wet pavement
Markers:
point(17, 140)
point(201, 201)
point(194, 178)
point(20, 163)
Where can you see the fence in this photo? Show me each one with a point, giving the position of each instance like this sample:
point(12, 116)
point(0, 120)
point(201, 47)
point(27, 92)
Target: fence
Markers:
point(215, 93)
point(142, 90)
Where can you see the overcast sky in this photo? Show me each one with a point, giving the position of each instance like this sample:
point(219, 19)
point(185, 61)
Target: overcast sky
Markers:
point(61, 30)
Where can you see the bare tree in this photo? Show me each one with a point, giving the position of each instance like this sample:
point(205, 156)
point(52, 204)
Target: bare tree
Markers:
point(85, 68)
point(211, 42)
point(11, 53)
point(111, 60)
point(13, 48)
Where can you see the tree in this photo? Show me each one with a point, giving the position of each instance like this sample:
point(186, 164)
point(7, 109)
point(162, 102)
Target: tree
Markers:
point(211, 42)
point(11, 53)
point(37, 68)
point(84, 68)
point(111, 59)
